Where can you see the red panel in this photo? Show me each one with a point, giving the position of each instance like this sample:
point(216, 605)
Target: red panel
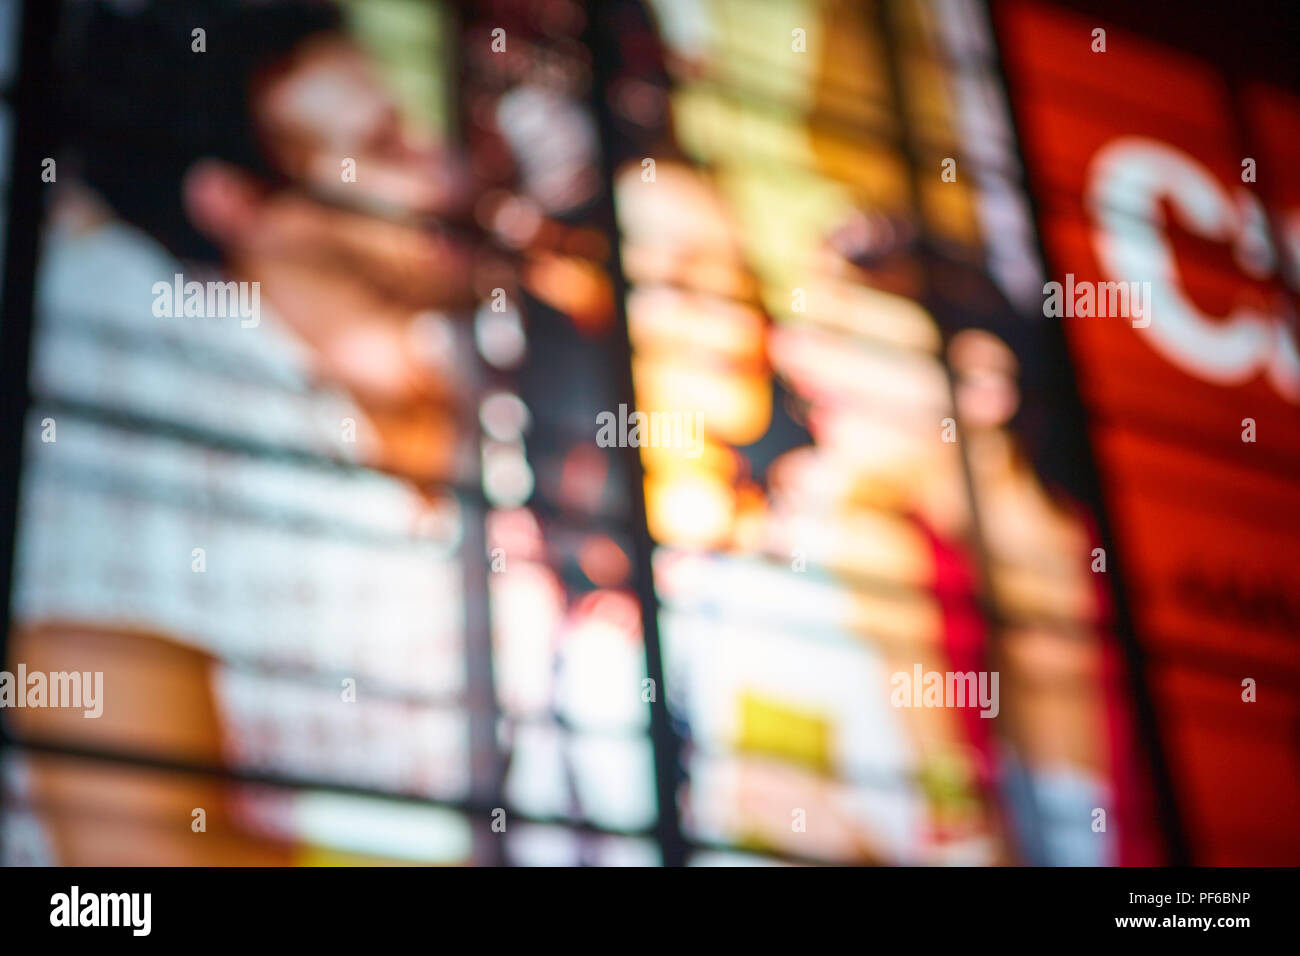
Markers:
point(1208, 524)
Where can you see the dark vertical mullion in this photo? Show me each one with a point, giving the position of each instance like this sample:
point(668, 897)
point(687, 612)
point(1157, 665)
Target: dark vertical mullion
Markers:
point(1074, 417)
point(486, 763)
point(667, 746)
point(486, 759)
point(33, 136)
